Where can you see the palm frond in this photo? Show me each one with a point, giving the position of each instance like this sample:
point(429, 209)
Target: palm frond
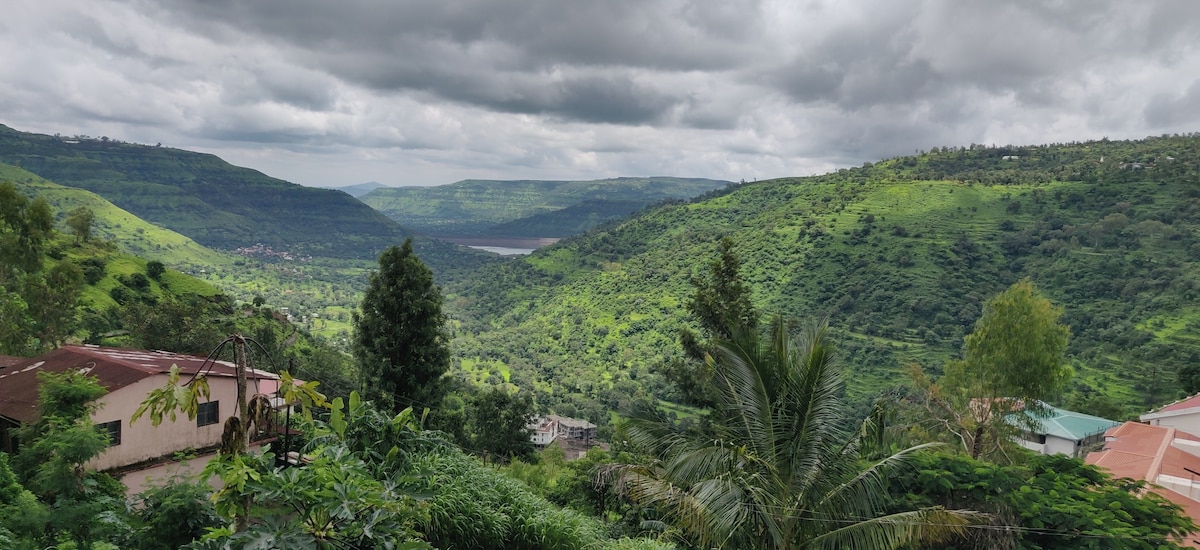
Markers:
point(744, 401)
point(924, 526)
point(863, 491)
point(777, 469)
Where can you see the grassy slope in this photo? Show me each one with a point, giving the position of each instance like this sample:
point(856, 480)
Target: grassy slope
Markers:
point(472, 207)
point(899, 256)
point(324, 286)
point(134, 234)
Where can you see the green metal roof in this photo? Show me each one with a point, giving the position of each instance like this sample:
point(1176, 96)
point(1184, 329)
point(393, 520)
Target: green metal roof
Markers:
point(1070, 424)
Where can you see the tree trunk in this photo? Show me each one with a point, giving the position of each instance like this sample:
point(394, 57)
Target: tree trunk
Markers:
point(977, 442)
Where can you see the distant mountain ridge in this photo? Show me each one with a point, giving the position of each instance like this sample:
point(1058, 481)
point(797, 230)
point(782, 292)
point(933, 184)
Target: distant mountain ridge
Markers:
point(359, 189)
point(215, 203)
point(528, 208)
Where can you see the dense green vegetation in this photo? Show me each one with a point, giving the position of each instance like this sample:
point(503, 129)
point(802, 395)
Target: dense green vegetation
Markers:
point(123, 300)
point(372, 481)
point(330, 288)
point(1048, 502)
point(774, 468)
point(527, 208)
point(899, 255)
point(900, 264)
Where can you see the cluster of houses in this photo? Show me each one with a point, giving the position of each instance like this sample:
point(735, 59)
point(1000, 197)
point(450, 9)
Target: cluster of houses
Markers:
point(1162, 449)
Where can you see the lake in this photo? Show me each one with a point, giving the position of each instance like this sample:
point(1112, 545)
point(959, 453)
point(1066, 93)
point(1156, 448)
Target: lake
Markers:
point(503, 247)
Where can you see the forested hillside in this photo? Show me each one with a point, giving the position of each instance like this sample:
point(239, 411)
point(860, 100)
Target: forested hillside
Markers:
point(324, 286)
point(899, 255)
point(527, 208)
point(215, 203)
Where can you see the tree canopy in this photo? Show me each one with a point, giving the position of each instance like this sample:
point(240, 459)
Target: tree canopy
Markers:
point(778, 470)
point(1012, 361)
point(400, 338)
point(1045, 502)
point(37, 305)
point(720, 304)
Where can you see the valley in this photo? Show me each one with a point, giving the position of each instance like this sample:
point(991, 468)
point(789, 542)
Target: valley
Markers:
point(898, 255)
point(527, 209)
point(633, 275)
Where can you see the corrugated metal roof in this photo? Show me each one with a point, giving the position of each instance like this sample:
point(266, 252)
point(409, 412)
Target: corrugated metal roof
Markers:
point(1070, 424)
point(115, 368)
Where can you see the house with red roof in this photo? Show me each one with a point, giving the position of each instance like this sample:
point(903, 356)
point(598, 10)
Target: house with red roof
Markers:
point(1166, 457)
point(1182, 415)
point(129, 376)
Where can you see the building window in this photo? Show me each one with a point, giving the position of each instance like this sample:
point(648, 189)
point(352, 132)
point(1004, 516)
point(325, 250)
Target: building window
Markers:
point(112, 430)
point(1040, 439)
point(208, 413)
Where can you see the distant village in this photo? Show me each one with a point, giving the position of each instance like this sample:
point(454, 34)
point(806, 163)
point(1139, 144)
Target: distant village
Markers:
point(260, 250)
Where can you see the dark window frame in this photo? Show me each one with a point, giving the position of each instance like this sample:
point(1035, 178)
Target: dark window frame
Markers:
point(208, 414)
point(112, 430)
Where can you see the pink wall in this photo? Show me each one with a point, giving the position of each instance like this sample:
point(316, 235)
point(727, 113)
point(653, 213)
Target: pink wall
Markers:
point(143, 441)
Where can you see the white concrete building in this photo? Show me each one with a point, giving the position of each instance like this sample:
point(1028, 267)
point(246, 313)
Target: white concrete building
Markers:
point(1182, 415)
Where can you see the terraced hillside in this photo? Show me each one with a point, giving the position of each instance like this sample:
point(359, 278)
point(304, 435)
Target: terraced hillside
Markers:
point(900, 256)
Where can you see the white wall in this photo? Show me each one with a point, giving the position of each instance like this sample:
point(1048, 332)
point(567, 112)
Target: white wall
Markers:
point(159, 474)
point(1059, 446)
point(1053, 445)
point(1188, 422)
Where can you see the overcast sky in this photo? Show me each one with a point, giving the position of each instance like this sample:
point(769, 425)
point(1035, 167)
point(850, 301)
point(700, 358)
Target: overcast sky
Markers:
point(427, 92)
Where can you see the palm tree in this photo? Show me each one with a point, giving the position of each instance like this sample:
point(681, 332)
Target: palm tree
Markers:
point(777, 469)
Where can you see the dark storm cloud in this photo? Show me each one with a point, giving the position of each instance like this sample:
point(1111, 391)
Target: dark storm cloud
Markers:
point(1168, 109)
point(440, 90)
point(668, 35)
point(503, 55)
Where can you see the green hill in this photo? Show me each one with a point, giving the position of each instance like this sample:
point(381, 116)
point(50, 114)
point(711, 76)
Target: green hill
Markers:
point(900, 256)
point(324, 286)
point(215, 203)
point(527, 208)
point(135, 235)
point(572, 220)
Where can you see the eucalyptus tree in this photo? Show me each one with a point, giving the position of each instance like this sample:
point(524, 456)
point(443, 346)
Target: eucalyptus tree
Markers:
point(778, 469)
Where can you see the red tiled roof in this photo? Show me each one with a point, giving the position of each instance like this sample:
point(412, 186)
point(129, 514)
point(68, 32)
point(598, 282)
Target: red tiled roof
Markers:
point(114, 367)
point(1189, 403)
point(1143, 452)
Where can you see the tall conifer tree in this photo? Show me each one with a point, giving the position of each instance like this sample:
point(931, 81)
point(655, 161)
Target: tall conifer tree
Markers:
point(400, 339)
